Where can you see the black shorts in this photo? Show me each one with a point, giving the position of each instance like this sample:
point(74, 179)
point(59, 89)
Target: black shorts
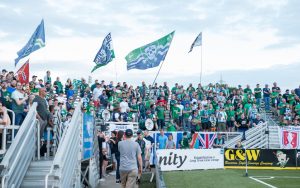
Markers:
point(230, 124)
point(205, 125)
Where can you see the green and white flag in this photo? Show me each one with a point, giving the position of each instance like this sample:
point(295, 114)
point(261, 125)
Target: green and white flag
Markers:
point(149, 55)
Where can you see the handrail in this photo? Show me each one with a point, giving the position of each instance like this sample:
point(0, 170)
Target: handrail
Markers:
point(13, 116)
point(63, 168)
point(4, 134)
point(21, 152)
point(248, 133)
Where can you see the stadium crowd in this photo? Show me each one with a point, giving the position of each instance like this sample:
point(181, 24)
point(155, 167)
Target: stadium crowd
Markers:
point(215, 107)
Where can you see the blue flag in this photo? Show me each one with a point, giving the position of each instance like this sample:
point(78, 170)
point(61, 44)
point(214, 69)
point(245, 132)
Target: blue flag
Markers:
point(150, 55)
point(36, 42)
point(105, 54)
point(197, 42)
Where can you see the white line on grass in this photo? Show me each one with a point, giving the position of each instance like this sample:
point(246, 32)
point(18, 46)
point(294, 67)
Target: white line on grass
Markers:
point(262, 182)
point(262, 177)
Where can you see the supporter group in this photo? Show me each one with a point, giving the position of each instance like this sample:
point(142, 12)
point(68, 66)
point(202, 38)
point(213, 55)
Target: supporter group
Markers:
point(213, 108)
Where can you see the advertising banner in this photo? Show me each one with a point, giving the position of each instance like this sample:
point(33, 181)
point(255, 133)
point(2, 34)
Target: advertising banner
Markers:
point(289, 137)
point(88, 136)
point(123, 127)
point(260, 158)
point(190, 159)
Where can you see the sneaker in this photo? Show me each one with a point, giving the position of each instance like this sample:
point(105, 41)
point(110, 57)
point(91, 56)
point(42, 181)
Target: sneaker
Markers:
point(113, 173)
point(118, 181)
point(105, 175)
point(102, 180)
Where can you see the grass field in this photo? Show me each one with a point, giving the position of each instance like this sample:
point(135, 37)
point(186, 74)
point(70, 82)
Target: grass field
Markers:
point(232, 178)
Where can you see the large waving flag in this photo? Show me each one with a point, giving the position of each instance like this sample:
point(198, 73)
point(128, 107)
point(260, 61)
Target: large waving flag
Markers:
point(105, 54)
point(36, 42)
point(23, 73)
point(197, 42)
point(150, 55)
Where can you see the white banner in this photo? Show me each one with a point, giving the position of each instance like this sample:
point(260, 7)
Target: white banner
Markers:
point(123, 127)
point(190, 159)
point(289, 137)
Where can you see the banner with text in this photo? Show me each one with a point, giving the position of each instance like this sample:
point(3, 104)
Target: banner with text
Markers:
point(289, 137)
point(261, 158)
point(123, 127)
point(190, 159)
point(88, 136)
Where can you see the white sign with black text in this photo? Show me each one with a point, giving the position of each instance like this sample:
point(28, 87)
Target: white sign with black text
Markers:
point(190, 159)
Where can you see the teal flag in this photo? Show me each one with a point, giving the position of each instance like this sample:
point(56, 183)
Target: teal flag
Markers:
point(149, 55)
point(36, 41)
point(105, 54)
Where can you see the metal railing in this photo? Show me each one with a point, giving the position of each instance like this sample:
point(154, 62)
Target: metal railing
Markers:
point(255, 137)
point(65, 171)
point(19, 155)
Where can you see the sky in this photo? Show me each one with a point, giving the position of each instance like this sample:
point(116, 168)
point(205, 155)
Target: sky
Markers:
point(242, 40)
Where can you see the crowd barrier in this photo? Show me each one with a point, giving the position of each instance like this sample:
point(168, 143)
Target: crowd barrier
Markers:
point(195, 159)
point(262, 158)
point(190, 159)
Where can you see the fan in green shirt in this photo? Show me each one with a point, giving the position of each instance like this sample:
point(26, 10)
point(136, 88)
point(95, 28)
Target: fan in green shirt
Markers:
point(160, 111)
point(175, 112)
point(171, 126)
point(257, 93)
point(282, 107)
point(297, 109)
point(291, 98)
point(184, 143)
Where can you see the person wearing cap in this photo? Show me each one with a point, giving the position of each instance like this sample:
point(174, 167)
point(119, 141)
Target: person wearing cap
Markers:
point(93, 86)
point(33, 82)
point(130, 153)
point(142, 144)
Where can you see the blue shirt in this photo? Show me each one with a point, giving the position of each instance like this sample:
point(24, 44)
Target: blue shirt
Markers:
point(162, 141)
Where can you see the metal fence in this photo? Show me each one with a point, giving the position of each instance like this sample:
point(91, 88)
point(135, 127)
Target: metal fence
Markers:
point(65, 171)
point(19, 155)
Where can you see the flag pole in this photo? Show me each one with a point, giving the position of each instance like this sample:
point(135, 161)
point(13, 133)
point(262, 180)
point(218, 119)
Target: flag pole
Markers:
point(157, 73)
point(201, 67)
point(116, 72)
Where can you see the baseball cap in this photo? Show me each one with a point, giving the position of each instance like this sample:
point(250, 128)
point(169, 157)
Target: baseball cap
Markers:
point(128, 132)
point(139, 132)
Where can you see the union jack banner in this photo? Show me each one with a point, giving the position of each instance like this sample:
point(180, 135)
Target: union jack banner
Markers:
point(23, 73)
point(206, 140)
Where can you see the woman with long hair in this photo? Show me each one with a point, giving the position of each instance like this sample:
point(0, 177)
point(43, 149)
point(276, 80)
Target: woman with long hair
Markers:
point(120, 136)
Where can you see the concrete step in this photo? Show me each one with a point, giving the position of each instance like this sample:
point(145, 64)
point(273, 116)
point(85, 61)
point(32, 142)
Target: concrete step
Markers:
point(35, 175)
point(33, 183)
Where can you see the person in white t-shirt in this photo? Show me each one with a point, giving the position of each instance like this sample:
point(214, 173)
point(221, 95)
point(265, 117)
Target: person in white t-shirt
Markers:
point(124, 105)
point(96, 94)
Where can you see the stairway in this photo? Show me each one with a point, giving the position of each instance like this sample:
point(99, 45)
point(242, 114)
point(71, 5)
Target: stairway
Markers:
point(274, 142)
point(35, 175)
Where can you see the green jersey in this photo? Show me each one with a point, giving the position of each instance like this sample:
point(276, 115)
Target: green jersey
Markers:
point(257, 93)
point(248, 91)
point(297, 109)
point(230, 115)
point(175, 112)
point(281, 108)
point(184, 144)
point(160, 112)
point(171, 127)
